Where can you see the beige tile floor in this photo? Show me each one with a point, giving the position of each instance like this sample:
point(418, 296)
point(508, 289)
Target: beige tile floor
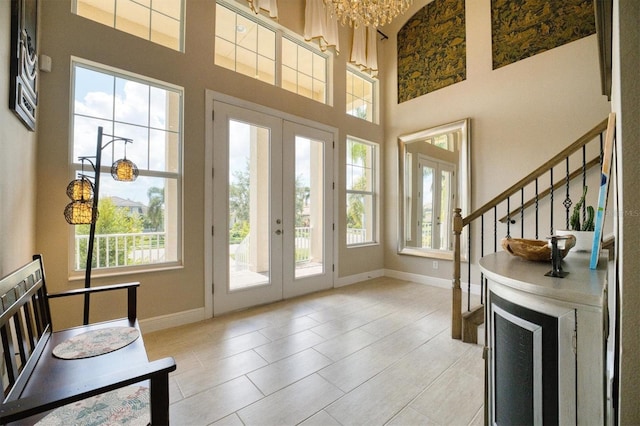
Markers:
point(373, 353)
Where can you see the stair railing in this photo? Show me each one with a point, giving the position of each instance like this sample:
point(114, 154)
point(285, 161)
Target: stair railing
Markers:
point(464, 325)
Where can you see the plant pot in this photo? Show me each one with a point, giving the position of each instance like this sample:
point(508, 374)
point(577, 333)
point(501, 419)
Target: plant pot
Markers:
point(584, 239)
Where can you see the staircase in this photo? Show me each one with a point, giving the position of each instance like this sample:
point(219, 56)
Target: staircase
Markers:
point(533, 208)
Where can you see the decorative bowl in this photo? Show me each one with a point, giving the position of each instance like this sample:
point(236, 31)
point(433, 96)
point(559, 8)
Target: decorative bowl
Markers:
point(536, 250)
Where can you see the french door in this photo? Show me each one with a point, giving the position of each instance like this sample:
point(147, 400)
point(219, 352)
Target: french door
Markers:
point(273, 208)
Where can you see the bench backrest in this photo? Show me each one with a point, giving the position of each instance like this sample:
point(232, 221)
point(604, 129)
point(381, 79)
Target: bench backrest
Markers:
point(25, 321)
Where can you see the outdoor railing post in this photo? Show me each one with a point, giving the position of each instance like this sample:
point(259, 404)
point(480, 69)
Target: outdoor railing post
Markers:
point(456, 292)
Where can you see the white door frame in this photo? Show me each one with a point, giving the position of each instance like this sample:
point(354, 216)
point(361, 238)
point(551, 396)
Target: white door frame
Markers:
point(210, 97)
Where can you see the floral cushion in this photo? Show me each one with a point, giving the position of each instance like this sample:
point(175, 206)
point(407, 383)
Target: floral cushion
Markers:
point(96, 342)
point(128, 405)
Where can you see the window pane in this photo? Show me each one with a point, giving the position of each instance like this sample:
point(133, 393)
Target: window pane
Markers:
point(246, 62)
point(289, 54)
point(267, 43)
point(305, 61)
point(170, 8)
point(165, 31)
point(132, 102)
point(289, 79)
point(225, 24)
point(225, 54)
point(133, 18)
point(102, 12)
point(247, 34)
point(319, 68)
point(266, 70)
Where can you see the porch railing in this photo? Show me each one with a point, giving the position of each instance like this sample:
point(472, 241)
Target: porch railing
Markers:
point(532, 208)
point(114, 250)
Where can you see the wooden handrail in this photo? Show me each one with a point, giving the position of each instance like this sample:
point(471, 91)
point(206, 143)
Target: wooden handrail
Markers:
point(582, 141)
point(560, 183)
point(460, 222)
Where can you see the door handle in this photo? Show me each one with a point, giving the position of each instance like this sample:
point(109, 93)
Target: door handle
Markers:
point(278, 232)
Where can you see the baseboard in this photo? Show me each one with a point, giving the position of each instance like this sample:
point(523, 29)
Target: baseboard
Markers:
point(432, 281)
point(352, 279)
point(194, 315)
point(172, 320)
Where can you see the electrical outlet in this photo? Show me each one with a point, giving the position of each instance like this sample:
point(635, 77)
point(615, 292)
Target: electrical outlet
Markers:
point(435, 264)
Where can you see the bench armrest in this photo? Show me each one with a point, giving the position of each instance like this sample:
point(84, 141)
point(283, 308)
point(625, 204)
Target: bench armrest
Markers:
point(131, 295)
point(156, 371)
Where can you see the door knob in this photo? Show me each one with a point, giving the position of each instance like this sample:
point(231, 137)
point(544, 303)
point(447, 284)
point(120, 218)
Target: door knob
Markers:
point(278, 232)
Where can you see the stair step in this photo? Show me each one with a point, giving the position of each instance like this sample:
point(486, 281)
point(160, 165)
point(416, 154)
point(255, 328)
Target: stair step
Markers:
point(470, 322)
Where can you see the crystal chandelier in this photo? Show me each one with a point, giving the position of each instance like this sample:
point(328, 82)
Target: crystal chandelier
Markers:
point(368, 13)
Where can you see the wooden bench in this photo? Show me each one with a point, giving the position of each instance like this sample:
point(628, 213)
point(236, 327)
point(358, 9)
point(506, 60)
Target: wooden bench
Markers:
point(35, 381)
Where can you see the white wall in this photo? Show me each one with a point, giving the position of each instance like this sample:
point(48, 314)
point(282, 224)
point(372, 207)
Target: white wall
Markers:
point(17, 169)
point(521, 115)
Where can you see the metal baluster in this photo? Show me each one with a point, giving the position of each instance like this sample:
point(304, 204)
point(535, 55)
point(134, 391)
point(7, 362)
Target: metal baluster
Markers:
point(469, 268)
point(567, 201)
point(551, 199)
point(584, 180)
point(537, 199)
point(481, 255)
point(495, 229)
point(522, 212)
point(508, 217)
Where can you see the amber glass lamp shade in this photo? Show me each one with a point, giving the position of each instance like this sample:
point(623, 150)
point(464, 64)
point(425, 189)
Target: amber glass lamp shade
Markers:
point(80, 189)
point(80, 212)
point(124, 170)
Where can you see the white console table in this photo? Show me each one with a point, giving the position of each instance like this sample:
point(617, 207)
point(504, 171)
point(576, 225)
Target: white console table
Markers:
point(546, 340)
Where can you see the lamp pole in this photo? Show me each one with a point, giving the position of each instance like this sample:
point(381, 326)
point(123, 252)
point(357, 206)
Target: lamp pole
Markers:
point(94, 213)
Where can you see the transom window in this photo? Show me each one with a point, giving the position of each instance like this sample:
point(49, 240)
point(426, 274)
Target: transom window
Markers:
point(247, 45)
point(361, 186)
point(361, 100)
point(139, 222)
point(160, 21)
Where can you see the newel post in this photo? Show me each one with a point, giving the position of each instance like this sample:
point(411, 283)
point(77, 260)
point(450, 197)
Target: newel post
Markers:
point(456, 292)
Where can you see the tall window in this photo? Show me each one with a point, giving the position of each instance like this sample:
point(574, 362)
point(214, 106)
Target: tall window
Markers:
point(139, 222)
point(160, 21)
point(362, 165)
point(249, 46)
point(361, 101)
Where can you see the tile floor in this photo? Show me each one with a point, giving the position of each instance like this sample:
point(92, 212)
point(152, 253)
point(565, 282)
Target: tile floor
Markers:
point(373, 353)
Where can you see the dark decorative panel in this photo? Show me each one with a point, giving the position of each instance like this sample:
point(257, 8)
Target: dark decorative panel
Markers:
point(523, 28)
point(432, 49)
point(23, 95)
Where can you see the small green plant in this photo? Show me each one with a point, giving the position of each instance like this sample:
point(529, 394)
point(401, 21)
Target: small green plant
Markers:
point(574, 221)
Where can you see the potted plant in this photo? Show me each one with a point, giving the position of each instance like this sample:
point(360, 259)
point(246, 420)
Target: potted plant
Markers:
point(582, 231)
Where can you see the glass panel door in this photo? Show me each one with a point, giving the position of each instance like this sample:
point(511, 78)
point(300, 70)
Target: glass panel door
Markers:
point(308, 207)
point(247, 241)
point(273, 209)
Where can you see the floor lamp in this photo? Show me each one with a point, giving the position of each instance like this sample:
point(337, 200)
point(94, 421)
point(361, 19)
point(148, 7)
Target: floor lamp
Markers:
point(84, 195)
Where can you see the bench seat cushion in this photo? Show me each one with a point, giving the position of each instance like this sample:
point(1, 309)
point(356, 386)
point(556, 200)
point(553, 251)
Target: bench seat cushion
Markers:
point(128, 405)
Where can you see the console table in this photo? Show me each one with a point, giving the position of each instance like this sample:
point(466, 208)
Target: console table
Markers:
point(546, 341)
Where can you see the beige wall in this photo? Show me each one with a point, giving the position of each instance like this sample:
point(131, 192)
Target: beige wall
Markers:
point(521, 115)
point(17, 169)
point(626, 104)
point(66, 35)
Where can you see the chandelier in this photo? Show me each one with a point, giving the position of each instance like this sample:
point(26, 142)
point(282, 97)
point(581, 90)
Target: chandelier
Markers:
point(369, 13)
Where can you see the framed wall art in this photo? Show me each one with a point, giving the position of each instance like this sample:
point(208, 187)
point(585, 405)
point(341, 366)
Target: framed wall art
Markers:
point(23, 93)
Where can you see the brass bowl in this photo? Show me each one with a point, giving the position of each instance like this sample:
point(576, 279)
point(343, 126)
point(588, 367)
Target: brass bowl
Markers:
point(536, 250)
